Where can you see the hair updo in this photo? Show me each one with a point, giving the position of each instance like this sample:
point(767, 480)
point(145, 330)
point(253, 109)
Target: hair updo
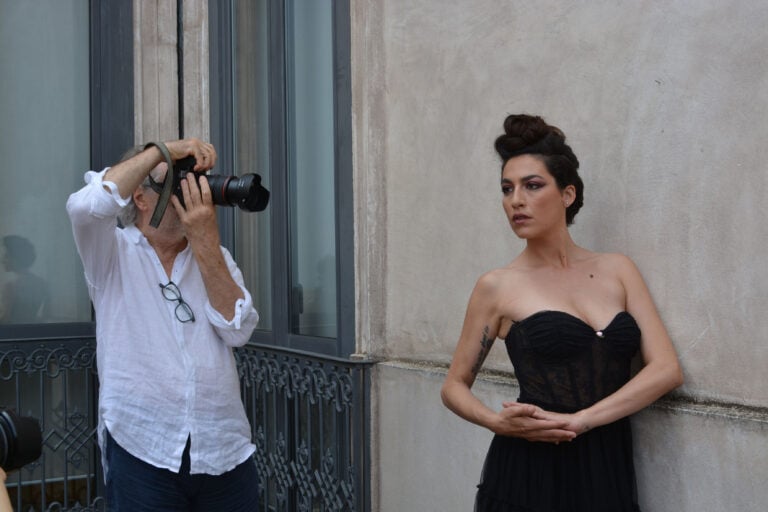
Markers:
point(531, 135)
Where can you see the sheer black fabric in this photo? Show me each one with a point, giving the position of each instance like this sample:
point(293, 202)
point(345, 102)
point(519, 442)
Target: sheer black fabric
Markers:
point(564, 365)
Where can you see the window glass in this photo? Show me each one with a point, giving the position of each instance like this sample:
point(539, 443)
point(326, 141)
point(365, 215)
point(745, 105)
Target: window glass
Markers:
point(310, 160)
point(252, 146)
point(45, 149)
point(311, 167)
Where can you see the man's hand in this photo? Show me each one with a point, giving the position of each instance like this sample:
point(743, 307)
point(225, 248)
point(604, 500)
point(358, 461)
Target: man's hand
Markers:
point(129, 174)
point(204, 152)
point(198, 215)
point(525, 421)
point(198, 219)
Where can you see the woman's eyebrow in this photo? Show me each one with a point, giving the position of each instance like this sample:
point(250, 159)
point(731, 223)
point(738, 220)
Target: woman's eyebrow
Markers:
point(523, 179)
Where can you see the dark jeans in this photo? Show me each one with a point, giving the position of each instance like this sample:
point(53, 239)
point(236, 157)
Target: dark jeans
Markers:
point(135, 486)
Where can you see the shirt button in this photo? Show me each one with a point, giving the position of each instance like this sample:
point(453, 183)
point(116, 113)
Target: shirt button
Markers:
point(600, 334)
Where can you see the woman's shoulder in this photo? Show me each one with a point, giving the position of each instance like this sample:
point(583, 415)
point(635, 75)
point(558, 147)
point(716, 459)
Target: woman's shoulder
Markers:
point(616, 264)
point(615, 260)
point(500, 281)
point(619, 261)
point(512, 272)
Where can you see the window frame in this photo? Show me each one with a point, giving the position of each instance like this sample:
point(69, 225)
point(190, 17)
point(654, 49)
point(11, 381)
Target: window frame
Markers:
point(222, 135)
point(111, 130)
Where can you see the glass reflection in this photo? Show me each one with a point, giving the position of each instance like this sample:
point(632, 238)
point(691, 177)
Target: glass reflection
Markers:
point(23, 294)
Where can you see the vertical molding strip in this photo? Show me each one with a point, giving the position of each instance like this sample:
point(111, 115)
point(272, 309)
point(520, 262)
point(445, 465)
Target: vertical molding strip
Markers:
point(156, 71)
point(170, 48)
point(180, 62)
point(194, 78)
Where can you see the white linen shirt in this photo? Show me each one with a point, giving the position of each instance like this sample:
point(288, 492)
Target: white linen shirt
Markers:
point(161, 380)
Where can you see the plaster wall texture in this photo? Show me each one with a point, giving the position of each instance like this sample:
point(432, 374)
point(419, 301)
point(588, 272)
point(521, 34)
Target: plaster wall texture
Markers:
point(665, 105)
point(156, 96)
point(156, 91)
point(685, 462)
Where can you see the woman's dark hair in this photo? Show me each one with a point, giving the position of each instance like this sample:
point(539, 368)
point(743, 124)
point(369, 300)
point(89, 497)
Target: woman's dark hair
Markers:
point(531, 135)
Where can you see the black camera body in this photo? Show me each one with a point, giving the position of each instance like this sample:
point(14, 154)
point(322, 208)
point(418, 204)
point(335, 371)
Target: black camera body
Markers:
point(21, 440)
point(246, 192)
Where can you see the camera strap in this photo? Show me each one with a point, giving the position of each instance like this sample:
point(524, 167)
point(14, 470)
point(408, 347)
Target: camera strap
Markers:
point(165, 195)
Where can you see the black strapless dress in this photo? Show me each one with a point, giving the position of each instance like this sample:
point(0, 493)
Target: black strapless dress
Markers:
point(564, 365)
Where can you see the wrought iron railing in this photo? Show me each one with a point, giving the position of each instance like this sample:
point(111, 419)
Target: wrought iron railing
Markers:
point(55, 383)
point(309, 416)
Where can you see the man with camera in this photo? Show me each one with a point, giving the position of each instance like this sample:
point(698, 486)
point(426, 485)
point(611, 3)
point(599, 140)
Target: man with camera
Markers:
point(170, 305)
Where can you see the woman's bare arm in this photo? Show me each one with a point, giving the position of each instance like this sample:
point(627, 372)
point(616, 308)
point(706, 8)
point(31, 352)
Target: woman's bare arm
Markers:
point(480, 329)
point(661, 372)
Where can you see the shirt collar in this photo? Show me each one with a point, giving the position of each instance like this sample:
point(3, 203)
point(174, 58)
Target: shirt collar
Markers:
point(134, 234)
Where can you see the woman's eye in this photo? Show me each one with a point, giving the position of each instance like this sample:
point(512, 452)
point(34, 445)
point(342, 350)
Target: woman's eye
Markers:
point(506, 190)
point(533, 185)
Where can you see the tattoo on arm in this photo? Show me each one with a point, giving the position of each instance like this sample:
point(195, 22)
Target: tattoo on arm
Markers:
point(485, 346)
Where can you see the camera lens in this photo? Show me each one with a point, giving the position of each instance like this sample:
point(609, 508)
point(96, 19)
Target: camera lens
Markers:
point(21, 440)
point(245, 192)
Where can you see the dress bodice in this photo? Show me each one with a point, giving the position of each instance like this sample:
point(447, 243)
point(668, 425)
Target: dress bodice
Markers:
point(564, 365)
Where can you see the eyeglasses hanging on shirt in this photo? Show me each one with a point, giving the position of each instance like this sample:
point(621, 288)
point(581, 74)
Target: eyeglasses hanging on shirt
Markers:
point(183, 311)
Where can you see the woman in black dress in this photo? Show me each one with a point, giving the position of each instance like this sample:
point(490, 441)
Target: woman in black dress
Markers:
point(572, 320)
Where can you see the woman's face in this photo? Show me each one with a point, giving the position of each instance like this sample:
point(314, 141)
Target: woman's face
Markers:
point(532, 200)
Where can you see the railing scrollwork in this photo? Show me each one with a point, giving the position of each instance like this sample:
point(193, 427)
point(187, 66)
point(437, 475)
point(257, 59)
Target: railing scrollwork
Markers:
point(310, 422)
point(308, 414)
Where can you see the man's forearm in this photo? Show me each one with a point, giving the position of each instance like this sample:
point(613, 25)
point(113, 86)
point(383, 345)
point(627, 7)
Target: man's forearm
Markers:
point(223, 292)
point(129, 174)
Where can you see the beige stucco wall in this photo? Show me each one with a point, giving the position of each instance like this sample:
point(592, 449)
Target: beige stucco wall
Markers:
point(665, 104)
point(426, 460)
point(156, 68)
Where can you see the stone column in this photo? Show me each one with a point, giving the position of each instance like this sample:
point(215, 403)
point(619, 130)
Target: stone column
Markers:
point(156, 91)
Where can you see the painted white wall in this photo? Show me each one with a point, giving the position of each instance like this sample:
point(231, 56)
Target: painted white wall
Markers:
point(665, 105)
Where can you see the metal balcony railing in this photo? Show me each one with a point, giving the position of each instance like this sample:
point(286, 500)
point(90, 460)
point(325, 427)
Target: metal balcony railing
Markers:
point(309, 416)
point(55, 383)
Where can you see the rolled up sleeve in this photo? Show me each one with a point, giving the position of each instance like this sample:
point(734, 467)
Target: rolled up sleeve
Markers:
point(237, 331)
point(93, 211)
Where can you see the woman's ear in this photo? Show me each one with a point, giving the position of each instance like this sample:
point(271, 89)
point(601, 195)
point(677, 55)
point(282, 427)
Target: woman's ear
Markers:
point(569, 195)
